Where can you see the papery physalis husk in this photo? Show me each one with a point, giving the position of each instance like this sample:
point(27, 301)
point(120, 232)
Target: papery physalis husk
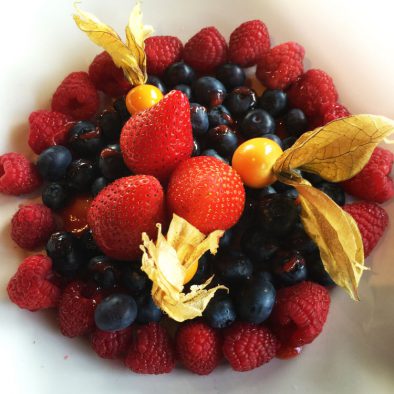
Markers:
point(166, 262)
point(336, 152)
point(129, 56)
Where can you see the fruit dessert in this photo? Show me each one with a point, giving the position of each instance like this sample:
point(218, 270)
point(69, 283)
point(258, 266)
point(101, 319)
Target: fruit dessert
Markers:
point(193, 207)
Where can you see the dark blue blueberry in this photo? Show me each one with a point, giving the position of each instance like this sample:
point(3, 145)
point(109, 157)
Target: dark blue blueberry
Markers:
point(316, 271)
point(56, 195)
point(334, 191)
point(233, 266)
point(120, 107)
point(209, 91)
point(312, 178)
point(89, 245)
point(255, 301)
point(289, 268)
point(225, 240)
point(53, 162)
point(257, 123)
point(240, 101)
point(185, 89)
point(196, 148)
point(147, 310)
point(115, 312)
point(219, 115)
point(300, 240)
point(220, 312)
point(203, 271)
point(80, 174)
point(84, 139)
point(263, 276)
point(213, 153)
point(199, 119)
point(179, 73)
point(248, 216)
point(292, 192)
point(110, 124)
point(265, 191)
point(155, 81)
point(288, 142)
point(231, 75)
point(101, 269)
point(111, 162)
point(295, 122)
point(133, 278)
point(273, 101)
point(98, 185)
point(258, 246)
point(274, 138)
point(223, 140)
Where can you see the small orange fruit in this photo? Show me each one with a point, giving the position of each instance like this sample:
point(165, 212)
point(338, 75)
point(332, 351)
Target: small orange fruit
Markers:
point(142, 97)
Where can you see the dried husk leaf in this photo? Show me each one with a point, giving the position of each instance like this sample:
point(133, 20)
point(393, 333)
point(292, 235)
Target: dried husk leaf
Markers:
point(166, 261)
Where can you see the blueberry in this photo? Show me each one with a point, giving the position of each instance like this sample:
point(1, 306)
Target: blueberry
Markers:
point(84, 139)
point(102, 271)
point(225, 240)
point(257, 245)
point(98, 185)
point(213, 153)
point(155, 81)
point(110, 124)
point(288, 142)
point(273, 101)
point(115, 312)
point(289, 268)
point(185, 89)
point(120, 107)
point(179, 73)
point(277, 215)
point(291, 193)
point(219, 115)
point(233, 266)
point(55, 195)
point(111, 162)
point(203, 270)
point(300, 240)
point(240, 101)
point(295, 122)
point(223, 140)
point(147, 310)
point(263, 276)
point(196, 148)
point(312, 178)
point(199, 119)
point(89, 245)
point(265, 191)
point(133, 278)
point(53, 162)
point(257, 123)
point(316, 271)
point(248, 216)
point(274, 138)
point(80, 174)
point(255, 301)
point(220, 312)
point(334, 191)
point(231, 75)
point(209, 91)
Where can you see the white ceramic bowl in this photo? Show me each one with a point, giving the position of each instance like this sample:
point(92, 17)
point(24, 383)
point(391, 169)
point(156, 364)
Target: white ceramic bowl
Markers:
point(350, 40)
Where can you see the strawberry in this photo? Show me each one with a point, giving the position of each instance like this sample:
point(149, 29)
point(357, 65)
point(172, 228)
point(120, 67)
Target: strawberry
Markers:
point(122, 211)
point(206, 192)
point(156, 140)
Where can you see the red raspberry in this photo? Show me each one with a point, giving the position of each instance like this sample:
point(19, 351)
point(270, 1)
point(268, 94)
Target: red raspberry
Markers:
point(331, 112)
point(32, 225)
point(248, 42)
point(205, 50)
point(198, 347)
point(76, 96)
point(299, 313)
point(76, 309)
point(281, 65)
point(17, 175)
point(312, 92)
point(247, 346)
point(107, 77)
point(48, 128)
point(161, 52)
point(111, 344)
point(372, 221)
point(30, 287)
point(373, 182)
point(152, 352)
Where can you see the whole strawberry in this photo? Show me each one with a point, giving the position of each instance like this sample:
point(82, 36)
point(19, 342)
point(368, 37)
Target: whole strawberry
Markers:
point(198, 347)
point(206, 192)
point(122, 211)
point(156, 140)
point(372, 220)
point(248, 42)
point(152, 352)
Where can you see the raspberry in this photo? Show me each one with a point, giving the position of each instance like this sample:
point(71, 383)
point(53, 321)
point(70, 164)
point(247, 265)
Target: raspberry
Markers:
point(32, 225)
point(48, 128)
point(30, 287)
point(248, 42)
point(371, 220)
point(373, 182)
point(107, 77)
point(161, 52)
point(152, 352)
point(198, 347)
point(17, 175)
point(76, 96)
point(331, 112)
point(111, 344)
point(247, 346)
point(300, 312)
point(76, 309)
point(205, 50)
point(312, 92)
point(281, 65)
